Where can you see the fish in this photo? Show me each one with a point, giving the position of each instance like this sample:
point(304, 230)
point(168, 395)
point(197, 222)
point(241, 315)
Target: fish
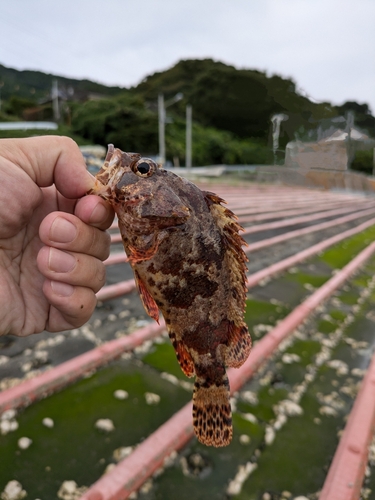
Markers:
point(186, 253)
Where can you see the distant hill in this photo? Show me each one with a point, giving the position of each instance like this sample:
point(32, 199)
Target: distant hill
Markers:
point(37, 85)
point(242, 101)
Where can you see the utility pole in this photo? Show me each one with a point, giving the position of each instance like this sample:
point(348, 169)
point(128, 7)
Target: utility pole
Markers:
point(189, 115)
point(276, 121)
point(55, 101)
point(1, 84)
point(162, 120)
point(161, 115)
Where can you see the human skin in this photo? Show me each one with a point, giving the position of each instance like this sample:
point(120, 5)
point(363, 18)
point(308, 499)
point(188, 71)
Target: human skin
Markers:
point(52, 237)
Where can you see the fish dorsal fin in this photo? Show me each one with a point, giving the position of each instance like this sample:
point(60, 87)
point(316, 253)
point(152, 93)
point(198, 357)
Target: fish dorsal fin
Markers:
point(239, 341)
point(227, 223)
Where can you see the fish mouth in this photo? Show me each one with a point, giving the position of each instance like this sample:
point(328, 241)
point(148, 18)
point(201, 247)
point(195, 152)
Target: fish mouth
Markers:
point(112, 171)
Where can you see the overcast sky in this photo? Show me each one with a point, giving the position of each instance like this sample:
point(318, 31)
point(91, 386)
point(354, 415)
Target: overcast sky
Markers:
point(326, 46)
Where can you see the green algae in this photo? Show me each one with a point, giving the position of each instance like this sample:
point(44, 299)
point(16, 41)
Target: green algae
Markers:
point(262, 312)
point(74, 449)
point(162, 357)
point(341, 254)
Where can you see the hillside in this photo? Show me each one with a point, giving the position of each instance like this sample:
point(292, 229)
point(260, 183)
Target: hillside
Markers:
point(36, 85)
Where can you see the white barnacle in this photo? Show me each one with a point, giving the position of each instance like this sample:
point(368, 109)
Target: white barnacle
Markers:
point(171, 378)
point(24, 443)
point(244, 471)
point(151, 398)
point(105, 424)
point(244, 439)
point(269, 435)
point(250, 397)
point(289, 408)
point(122, 452)
point(340, 366)
point(328, 411)
point(48, 422)
point(8, 414)
point(249, 417)
point(289, 358)
point(121, 394)
point(69, 490)
point(4, 359)
point(13, 491)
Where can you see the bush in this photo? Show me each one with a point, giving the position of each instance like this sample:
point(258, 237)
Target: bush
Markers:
point(363, 161)
point(213, 147)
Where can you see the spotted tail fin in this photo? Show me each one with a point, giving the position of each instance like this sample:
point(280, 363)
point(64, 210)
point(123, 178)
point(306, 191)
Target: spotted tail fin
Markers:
point(212, 416)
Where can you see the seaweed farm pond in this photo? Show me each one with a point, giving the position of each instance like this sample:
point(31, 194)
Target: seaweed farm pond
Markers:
point(122, 428)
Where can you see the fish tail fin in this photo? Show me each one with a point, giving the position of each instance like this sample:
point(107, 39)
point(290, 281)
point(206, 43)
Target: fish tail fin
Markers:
point(212, 416)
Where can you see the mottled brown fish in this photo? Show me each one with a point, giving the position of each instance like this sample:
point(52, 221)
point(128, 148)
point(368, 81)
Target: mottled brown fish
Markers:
point(186, 253)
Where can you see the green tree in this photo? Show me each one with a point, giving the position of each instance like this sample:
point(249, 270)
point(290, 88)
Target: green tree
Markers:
point(17, 105)
point(123, 121)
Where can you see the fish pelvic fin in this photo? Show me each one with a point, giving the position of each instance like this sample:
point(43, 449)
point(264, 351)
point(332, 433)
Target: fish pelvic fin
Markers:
point(212, 415)
point(239, 346)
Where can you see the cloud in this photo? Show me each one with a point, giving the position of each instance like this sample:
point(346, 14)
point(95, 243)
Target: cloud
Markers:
point(326, 46)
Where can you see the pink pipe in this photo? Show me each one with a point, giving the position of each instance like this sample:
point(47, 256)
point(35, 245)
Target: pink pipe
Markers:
point(58, 377)
point(116, 290)
point(116, 238)
point(116, 258)
point(253, 247)
point(255, 278)
point(298, 220)
point(274, 207)
point(291, 212)
point(131, 472)
point(347, 470)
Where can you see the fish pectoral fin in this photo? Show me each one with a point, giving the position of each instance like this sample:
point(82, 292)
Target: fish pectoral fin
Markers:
point(212, 416)
point(147, 250)
point(236, 352)
point(183, 356)
point(139, 255)
point(148, 301)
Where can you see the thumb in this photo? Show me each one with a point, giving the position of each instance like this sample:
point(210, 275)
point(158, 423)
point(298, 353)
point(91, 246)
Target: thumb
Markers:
point(51, 160)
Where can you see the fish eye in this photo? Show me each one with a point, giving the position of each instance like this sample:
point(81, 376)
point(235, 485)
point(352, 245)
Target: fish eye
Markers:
point(143, 167)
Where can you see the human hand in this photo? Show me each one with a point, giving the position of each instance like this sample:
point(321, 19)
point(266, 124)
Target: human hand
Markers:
point(52, 237)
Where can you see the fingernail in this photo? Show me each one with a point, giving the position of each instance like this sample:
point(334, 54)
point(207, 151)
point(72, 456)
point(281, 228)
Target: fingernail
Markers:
point(60, 262)
point(99, 214)
point(62, 289)
point(62, 231)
